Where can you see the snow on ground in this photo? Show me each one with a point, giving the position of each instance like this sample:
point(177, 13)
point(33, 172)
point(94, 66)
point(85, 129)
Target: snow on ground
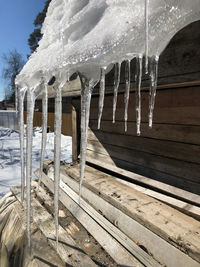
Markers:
point(10, 155)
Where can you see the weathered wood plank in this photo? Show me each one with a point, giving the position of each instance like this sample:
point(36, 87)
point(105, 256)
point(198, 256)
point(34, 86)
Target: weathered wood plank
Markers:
point(181, 97)
point(175, 150)
point(174, 167)
point(129, 244)
point(67, 248)
point(172, 185)
point(119, 254)
point(183, 206)
point(175, 115)
point(153, 243)
point(177, 228)
point(171, 132)
point(74, 135)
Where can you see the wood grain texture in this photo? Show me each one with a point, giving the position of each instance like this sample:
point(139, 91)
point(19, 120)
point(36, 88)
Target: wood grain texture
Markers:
point(178, 229)
point(116, 251)
point(154, 244)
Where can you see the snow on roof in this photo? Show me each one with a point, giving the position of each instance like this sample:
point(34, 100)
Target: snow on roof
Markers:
point(85, 35)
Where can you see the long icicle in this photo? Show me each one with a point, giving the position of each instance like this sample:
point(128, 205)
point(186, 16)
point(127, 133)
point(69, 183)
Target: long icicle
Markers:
point(21, 94)
point(16, 100)
point(101, 95)
point(146, 34)
point(127, 91)
point(44, 129)
point(86, 93)
point(116, 86)
point(138, 92)
point(57, 144)
point(153, 86)
point(29, 140)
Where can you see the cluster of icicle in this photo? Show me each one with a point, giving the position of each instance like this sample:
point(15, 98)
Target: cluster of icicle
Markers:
point(151, 65)
point(86, 93)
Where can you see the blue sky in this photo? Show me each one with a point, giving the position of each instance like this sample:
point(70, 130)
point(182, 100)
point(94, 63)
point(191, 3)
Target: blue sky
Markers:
point(16, 20)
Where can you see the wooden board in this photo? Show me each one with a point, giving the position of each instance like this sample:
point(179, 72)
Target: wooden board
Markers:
point(168, 149)
point(170, 132)
point(74, 135)
point(13, 243)
point(67, 248)
point(171, 185)
point(175, 115)
point(119, 254)
point(189, 171)
point(145, 238)
point(180, 230)
point(66, 121)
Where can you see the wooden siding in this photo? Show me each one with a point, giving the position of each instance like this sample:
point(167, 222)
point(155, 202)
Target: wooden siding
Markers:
point(66, 122)
point(169, 152)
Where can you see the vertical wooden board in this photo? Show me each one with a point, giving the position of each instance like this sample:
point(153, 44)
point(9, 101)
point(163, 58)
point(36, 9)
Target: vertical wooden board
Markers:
point(67, 124)
point(74, 135)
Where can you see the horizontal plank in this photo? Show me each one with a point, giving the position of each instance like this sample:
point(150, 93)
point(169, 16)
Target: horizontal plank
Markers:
point(116, 251)
point(170, 224)
point(179, 97)
point(155, 245)
point(170, 132)
point(183, 206)
point(175, 150)
point(176, 115)
point(170, 185)
point(174, 167)
point(67, 248)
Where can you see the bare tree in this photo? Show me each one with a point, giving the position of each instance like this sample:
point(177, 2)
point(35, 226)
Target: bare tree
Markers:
point(13, 64)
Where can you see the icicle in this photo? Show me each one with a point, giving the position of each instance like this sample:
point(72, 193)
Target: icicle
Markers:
point(116, 86)
point(21, 95)
point(16, 100)
point(153, 86)
point(29, 139)
point(137, 92)
point(57, 144)
point(146, 35)
point(127, 91)
point(44, 128)
point(86, 93)
point(101, 95)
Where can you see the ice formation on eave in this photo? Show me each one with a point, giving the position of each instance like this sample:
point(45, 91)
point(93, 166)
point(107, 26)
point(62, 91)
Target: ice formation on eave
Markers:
point(103, 32)
point(88, 37)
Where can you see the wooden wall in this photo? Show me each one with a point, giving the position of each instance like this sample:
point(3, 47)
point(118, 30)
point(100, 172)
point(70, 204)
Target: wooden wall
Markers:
point(170, 151)
point(66, 121)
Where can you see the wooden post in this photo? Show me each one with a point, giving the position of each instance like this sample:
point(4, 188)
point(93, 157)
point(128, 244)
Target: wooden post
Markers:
point(74, 134)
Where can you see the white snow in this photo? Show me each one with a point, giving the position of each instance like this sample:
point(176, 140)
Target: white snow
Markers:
point(10, 173)
point(86, 35)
